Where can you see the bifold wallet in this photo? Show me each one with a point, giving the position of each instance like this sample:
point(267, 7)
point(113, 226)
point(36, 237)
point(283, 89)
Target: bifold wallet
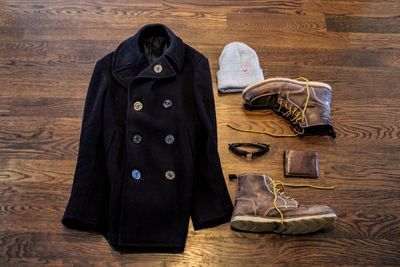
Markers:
point(301, 163)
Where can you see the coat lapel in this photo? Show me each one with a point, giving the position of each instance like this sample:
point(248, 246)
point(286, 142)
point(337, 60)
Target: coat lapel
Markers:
point(129, 62)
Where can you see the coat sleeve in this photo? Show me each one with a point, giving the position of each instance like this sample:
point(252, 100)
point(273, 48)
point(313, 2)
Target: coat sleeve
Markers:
point(211, 202)
point(86, 206)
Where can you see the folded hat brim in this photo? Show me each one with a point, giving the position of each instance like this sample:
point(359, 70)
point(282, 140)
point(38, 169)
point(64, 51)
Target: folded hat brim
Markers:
point(231, 81)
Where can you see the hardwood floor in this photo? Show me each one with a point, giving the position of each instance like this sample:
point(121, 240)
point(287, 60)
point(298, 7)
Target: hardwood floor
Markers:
point(47, 53)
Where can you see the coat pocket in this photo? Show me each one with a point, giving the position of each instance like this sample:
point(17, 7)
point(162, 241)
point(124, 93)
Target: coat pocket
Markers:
point(190, 137)
point(108, 144)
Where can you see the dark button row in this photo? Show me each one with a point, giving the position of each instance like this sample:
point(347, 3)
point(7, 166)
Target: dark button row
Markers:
point(138, 106)
point(137, 175)
point(137, 139)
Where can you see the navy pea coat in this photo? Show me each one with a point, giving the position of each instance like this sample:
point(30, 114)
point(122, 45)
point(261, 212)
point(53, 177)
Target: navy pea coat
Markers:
point(148, 158)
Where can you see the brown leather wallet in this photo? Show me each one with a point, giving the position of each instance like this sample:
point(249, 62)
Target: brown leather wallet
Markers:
point(301, 163)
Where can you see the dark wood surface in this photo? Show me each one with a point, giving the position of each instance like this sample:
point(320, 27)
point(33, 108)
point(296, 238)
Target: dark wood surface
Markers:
point(47, 53)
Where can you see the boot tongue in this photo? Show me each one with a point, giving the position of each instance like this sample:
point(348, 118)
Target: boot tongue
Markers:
point(274, 103)
point(286, 202)
point(282, 201)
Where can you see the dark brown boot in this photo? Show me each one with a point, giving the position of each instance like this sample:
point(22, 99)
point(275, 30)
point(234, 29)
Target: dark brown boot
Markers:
point(305, 104)
point(261, 206)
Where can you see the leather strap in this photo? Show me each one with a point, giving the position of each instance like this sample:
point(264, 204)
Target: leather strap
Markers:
point(262, 149)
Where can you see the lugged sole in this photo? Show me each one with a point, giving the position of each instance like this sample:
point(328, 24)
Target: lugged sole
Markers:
point(294, 226)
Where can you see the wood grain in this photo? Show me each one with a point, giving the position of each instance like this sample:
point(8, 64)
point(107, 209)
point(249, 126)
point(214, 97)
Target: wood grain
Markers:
point(47, 53)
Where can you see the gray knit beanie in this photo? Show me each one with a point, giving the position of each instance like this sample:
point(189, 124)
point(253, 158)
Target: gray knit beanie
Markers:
point(238, 68)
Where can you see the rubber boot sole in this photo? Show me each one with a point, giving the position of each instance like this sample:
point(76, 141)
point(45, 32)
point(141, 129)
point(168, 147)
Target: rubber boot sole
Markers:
point(292, 226)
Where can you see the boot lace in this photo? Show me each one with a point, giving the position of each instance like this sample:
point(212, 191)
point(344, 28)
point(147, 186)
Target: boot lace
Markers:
point(278, 188)
point(287, 110)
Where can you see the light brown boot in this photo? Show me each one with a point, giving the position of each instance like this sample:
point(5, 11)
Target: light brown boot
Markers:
point(305, 104)
point(261, 206)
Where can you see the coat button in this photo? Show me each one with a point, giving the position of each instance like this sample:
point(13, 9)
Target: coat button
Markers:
point(170, 175)
point(167, 103)
point(136, 174)
point(137, 106)
point(157, 68)
point(137, 138)
point(169, 139)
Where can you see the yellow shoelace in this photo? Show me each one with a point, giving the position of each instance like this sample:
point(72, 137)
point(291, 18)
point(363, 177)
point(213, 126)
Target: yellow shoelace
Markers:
point(296, 118)
point(279, 187)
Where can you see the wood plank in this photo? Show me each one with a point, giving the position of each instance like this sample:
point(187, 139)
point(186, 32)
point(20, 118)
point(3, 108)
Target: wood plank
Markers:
point(355, 225)
point(346, 83)
point(151, 8)
point(341, 23)
point(214, 37)
point(368, 139)
point(33, 248)
point(55, 107)
point(283, 22)
point(21, 194)
point(342, 173)
point(355, 8)
point(86, 53)
point(38, 171)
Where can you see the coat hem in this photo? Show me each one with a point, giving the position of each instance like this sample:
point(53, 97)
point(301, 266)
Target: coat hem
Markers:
point(146, 247)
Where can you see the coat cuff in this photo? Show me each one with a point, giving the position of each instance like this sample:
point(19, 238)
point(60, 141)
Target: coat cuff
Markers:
point(79, 223)
point(213, 221)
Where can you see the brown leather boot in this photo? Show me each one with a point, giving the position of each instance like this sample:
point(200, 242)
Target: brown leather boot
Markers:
point(261, 206)
point(305, 104)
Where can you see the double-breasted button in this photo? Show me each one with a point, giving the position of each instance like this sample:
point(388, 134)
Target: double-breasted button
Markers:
point(137, 138)
point(137, 106)
point(136, 174)
point(169, 139)
point(167, 103)
point(158, 68)
point(170, 175)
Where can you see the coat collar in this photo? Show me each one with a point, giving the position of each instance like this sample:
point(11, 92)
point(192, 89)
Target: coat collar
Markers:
point(129, 61)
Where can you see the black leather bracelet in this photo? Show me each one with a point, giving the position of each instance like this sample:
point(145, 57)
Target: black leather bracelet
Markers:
point(262, 149)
